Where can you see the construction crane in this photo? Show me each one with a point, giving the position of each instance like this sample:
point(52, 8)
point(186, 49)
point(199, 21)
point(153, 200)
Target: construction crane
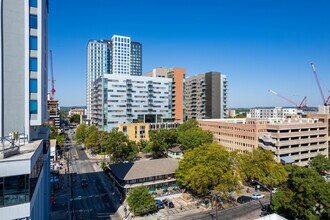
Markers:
point(303, 103)
point(52, 91)
point(326, 102)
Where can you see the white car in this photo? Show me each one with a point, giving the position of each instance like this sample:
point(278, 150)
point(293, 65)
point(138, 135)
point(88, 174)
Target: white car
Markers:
point(274, 190)
point(257, 196)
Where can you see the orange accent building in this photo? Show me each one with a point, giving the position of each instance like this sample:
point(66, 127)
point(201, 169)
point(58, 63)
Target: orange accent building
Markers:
point(178, 98)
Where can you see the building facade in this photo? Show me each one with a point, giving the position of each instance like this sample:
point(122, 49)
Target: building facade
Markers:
point(290, 139)
point(178, 98)
point(116, 56)
point(277, 112)
point(126, 99)
point(23, 66)
point(54, 113)
point(206, 95)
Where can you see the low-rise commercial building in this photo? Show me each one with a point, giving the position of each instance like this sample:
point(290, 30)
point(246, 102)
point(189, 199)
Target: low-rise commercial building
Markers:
point(126, 99)
point(151, 173)
point(206, 95)
point(297, 140)
point(277, 112)
point(77, 111)
point(140, 131)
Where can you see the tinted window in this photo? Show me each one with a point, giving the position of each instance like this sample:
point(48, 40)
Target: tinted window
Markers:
point(33, 85)
point(33, 64)
point(34, 3)
point(33, 43)
point(33, 106)
point(33, 21)
point(15, 190)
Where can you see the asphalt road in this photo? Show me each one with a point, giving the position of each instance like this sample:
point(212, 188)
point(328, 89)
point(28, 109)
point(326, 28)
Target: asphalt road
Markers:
point(93, 201)
point(242, 211)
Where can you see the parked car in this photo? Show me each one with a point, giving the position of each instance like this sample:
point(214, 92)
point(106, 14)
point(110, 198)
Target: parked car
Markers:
point(170, 205)
point(257, 196)
point(84, 183)
point(205, 203)
point(244, 199)
point(160, 204)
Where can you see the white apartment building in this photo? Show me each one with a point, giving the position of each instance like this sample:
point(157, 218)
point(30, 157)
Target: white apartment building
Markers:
point(277, 112)
point(126, 98)
point(118, 56)
point(23, 66)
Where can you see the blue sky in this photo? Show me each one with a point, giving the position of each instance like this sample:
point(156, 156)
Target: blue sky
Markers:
point(258, 44)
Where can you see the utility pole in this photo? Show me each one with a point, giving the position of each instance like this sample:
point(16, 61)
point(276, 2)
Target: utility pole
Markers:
point(215, 197)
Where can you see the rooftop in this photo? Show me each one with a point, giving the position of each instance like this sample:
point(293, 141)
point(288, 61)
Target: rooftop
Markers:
point(271, 121)
point(176, 149)
point(144, 168)
point(25, 151)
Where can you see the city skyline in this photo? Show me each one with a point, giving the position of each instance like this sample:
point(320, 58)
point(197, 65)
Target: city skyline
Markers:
point(258, 45)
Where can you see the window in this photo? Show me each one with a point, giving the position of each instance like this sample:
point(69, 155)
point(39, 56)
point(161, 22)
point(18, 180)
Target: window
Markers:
point(33, 64)
point(34, 3)
point(33, 43)
point(33, 85)
point(33, 21)
point(33, 106)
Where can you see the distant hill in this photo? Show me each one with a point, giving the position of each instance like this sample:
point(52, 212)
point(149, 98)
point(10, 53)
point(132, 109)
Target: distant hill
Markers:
point(67, 108)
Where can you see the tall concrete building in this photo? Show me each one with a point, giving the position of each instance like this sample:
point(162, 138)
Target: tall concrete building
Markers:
point(178, 97)
point(23, 66)
point(24, 155)
point(126, 99)
point(118, 56)
point(206, 95)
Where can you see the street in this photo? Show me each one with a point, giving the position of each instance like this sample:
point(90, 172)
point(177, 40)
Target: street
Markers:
point(94, 201)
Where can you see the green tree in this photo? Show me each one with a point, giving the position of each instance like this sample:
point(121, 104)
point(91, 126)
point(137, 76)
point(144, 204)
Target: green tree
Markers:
point(209, 167)
point(261, 166)
point(161, 140)
point(194, 137)
point(320, 163)
point(80, 134)
point(305, 196)
point(190, 123)
point(140, 201)
point(143, 146)
point(92, 138)
point(120, 147)
point(75, 119)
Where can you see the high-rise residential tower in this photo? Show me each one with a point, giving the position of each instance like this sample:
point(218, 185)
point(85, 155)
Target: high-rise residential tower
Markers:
point(206, 95)
point(24, 155)
point(118, 56)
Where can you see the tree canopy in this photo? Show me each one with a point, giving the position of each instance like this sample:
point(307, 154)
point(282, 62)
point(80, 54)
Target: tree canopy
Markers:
point(190, 123)
point(80, 133)
point(320, 163)
point(305, 196)
point(209, 167)
point(75, 119)
point(194, 137)
point(161, 141)
point(140, 201)
point(261, 166)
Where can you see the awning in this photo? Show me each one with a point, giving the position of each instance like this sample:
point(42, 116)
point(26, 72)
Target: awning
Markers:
point(164, 187)
point(287, 160)
point(152, 189)
point(174, 185)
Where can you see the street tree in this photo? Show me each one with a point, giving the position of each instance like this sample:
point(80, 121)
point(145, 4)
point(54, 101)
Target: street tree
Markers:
point(92, 138)
point(140, 201)
point(260, 165)
point(305, 196)
point(80, 134)
point(190, 123)
point(75, 119)
point(161, 140)
point(320, 163)
point(194, 137)
point(209, 167)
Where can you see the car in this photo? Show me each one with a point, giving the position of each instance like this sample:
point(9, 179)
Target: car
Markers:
point(159, 204)
point(274, 190)
point(84, 183)
point(257, 196)
point(205, 203)
point(170, 205)
point(244, 199)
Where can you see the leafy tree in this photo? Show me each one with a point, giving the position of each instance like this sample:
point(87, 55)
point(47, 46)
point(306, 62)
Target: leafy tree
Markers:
point(209, 167)
point(143, 146)
point(194, 137)
point(161, 141)
point(320, 163)
point(261, 166)
point(119, 146)
point(190, 123)
point(80, 134)
point(140, 201)
point(306, 195)
point(92, 138)
point(75, 119)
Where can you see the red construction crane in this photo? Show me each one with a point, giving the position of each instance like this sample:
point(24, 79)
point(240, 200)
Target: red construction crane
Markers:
point(325, 102)
point(303, 103)
point(52, 91)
